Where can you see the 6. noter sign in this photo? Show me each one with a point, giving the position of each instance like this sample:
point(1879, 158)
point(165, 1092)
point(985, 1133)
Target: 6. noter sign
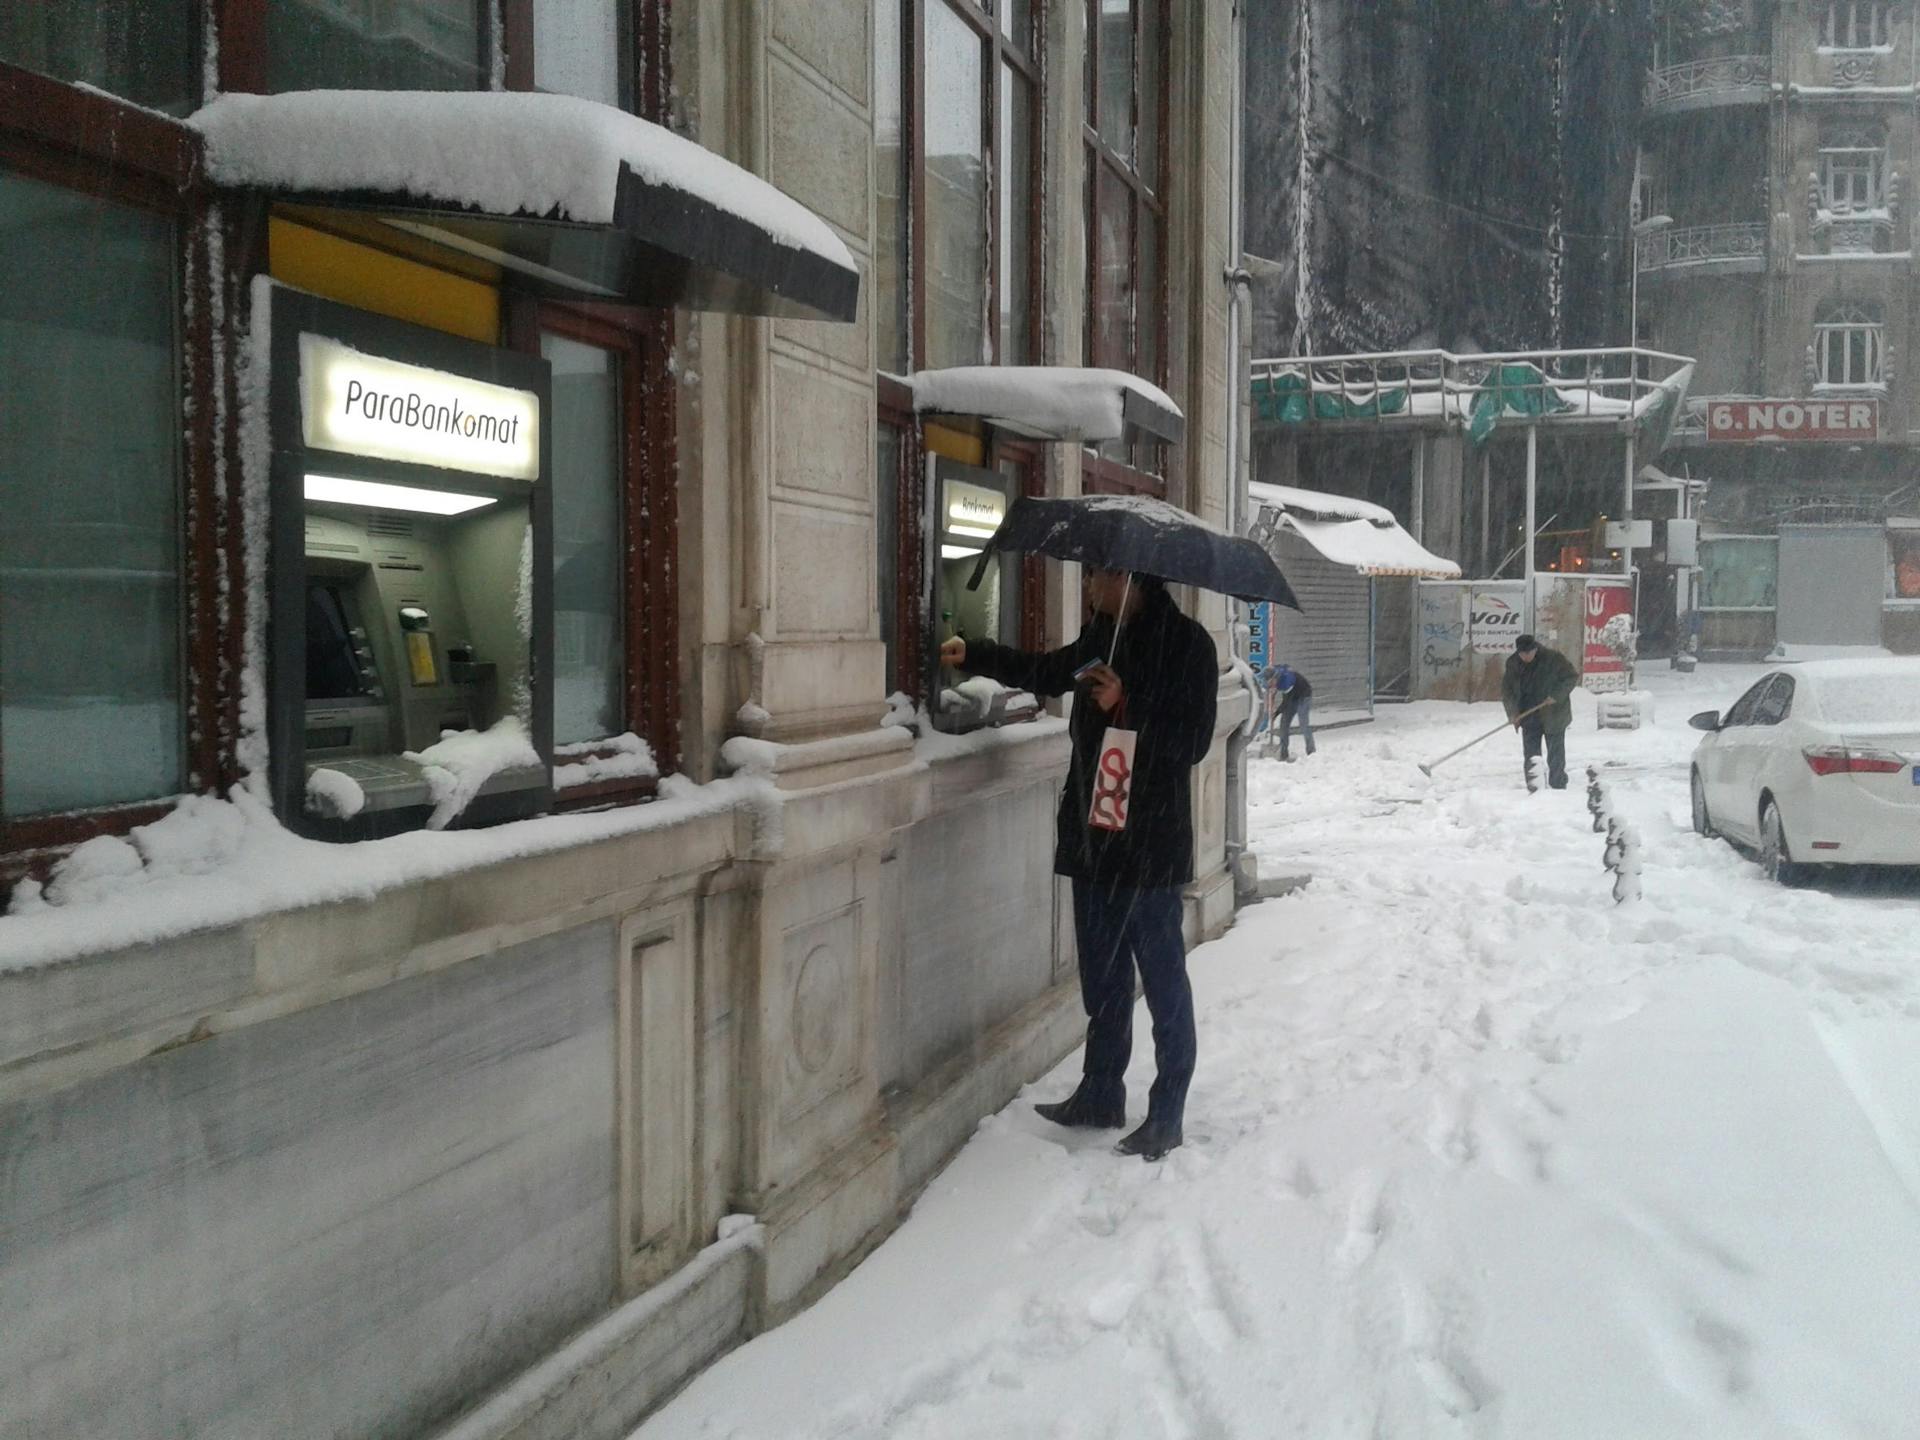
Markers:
point(1840, 419)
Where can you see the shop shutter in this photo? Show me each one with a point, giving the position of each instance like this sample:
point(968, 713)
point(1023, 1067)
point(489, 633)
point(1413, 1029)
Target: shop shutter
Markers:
point(1331, 643)
point(1833, 582)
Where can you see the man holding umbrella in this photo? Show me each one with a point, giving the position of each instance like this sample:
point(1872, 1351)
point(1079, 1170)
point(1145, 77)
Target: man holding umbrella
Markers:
point(1142, 666)
point(1147, 677)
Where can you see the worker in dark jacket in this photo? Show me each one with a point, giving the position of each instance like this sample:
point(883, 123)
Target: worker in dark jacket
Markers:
point(1535, 675)
point(1161, 685)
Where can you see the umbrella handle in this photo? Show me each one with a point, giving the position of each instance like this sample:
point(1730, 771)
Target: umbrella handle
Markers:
point(1119, 620)
point(980, 566)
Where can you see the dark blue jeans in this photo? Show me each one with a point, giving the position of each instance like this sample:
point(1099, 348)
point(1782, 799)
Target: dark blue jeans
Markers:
point(1303, 712)
point(1118, 929)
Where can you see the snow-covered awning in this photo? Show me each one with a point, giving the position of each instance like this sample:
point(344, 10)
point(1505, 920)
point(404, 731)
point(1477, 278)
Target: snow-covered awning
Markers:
point(578, 198)
point(1051, 402)
point(1355, 533)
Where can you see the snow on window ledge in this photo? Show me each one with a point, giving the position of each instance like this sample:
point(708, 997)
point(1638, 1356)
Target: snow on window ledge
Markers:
point(624, 757)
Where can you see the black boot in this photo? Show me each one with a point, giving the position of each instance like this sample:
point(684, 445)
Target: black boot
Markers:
point(1086, 1109)
point(1151, 1141)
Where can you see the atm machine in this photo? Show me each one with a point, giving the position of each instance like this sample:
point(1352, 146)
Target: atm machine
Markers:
point(410, 576)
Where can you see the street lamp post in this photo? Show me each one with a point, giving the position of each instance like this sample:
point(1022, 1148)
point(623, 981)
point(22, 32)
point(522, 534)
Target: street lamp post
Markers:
point(1637, 231)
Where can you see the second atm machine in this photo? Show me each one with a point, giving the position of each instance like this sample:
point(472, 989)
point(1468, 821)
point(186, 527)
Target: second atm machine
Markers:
point(410, 617)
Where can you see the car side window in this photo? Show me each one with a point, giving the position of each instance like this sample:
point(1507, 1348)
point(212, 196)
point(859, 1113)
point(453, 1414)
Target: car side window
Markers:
point(1743, 708)
point(1777, 703)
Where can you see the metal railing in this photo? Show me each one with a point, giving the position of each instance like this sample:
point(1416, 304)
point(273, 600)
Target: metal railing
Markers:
point(1437, 386)
point(1736, 77)
point(1701, 245)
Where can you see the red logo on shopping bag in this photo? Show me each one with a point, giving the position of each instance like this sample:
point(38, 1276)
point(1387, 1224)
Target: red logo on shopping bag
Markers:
point(1113, 781)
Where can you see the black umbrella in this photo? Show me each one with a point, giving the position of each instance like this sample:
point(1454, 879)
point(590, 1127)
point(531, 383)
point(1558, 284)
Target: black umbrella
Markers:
point(1146, 537)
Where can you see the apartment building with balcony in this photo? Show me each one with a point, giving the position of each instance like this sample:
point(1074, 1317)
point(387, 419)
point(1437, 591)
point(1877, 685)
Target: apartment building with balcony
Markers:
point(1775, 242)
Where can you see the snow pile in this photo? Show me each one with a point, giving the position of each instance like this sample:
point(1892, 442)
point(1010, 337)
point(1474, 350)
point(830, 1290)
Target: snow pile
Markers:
point(1049, 402)
point(334, 795)
point(227, 862)
point(1471, 1151)
point(901, 711)
point(979, 699)
point(465, 760)
point(198, 836)
point(504, 152)
point(622, 757)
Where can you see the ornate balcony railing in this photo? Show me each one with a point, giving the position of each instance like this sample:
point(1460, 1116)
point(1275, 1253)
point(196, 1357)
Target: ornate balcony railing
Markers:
point(1702, 245)
point(1726, 79)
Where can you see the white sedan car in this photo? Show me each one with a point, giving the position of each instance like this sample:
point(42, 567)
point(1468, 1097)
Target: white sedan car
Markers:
point(1816, 764)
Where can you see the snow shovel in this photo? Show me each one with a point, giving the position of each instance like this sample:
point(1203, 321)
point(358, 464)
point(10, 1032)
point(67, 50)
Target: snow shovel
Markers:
point(1432, 765)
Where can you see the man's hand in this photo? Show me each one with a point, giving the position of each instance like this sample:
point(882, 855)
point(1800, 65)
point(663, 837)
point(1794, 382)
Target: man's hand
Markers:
point(1107, 690)
point(953, 652)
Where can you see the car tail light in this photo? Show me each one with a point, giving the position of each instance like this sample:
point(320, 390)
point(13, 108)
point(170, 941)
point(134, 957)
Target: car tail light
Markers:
point(1852, 760)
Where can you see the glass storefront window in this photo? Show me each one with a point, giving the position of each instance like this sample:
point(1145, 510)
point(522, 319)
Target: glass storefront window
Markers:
point(971, 503)
point(584, 48)
point(589, 677)
point(1116, 76)
point(146, 51)
point(956, 199)
point(1016, 218)
point(1113, 314)
point(377, 45)
point(1738, 572)
point(1903, 564)
point(90, 594)
point(890, 339)
point(886, 518)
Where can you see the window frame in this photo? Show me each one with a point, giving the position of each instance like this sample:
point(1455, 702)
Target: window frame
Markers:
point(650, 593)
point(1834, 336)
point(1857, 161)
point(1841, 23)
point(97, 145)
point(1103, 166)
point(913, 128)
point(649, 590)
point(893, 399)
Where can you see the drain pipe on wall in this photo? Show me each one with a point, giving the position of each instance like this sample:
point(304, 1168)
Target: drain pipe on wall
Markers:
point(1239, 302)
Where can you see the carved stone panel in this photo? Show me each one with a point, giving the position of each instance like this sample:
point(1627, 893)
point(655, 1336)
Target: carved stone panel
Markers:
point(824, 1011)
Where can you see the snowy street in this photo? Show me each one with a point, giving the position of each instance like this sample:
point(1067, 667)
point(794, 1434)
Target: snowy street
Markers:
point(1471, 1151)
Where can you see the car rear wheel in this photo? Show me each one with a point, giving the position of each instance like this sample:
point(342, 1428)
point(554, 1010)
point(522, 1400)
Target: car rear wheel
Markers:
point(1702, 822)
point(1775, 858)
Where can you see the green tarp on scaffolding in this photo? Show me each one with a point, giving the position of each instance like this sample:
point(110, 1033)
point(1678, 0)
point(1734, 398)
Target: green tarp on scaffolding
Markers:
point(1513, 390)
point(1285, 398)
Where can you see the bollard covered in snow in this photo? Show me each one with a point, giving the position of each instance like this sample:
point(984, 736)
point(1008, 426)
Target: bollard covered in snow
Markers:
point(1621, 856)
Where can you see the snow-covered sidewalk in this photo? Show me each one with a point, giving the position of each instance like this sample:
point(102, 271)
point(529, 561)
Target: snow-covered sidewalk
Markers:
point(1471, 1151)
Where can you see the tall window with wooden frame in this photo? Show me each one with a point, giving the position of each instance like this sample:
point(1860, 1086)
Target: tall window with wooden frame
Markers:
point(616, 703)
point(615, 653)
point(111, 622)
point(957, 105)
point(1125, 140)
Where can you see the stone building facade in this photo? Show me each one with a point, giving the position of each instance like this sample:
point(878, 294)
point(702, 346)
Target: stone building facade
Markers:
point(439, 1132)
point(1777, 151)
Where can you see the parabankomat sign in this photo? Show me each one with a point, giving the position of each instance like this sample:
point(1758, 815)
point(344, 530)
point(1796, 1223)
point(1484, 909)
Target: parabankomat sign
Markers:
point(1850, 419)
point(360, 404)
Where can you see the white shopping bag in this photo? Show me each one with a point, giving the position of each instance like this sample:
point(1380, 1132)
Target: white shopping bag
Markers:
point(1113, 780)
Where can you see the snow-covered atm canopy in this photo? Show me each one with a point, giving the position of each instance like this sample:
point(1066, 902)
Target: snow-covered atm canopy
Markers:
point(410, 615)
point(411, 628)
